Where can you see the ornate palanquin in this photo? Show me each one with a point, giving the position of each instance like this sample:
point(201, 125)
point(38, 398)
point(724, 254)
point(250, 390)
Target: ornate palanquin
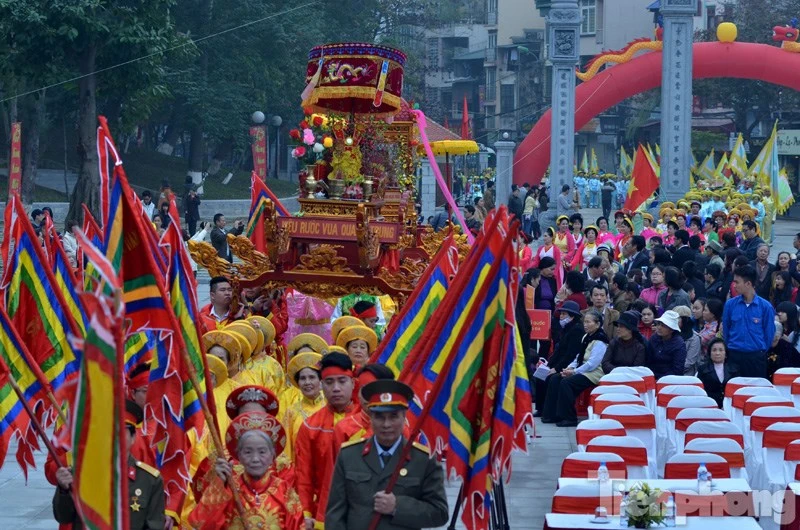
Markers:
point(336, 246)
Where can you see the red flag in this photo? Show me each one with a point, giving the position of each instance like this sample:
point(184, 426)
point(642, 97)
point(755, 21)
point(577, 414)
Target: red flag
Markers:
point(465, 121)
point(644, 181)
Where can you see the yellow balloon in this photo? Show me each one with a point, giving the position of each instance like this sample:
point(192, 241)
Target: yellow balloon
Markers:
point(726, 32)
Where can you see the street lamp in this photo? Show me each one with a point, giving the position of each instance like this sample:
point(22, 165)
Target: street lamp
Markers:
point(276, 122)
point(258, 117)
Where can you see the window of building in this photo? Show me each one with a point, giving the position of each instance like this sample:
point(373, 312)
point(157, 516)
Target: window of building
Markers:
point(588, 17)
point(433, 53)
point(491, 84)
point(491, 6)
point(492, 40)
point(490, 117)
point(507, 98)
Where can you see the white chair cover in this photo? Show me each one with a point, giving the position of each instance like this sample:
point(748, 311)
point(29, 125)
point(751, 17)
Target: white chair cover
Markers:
point(726, 448)
point(741, 382)
point(606, 400)
point(663, 397)
point(608, 389)
point(638, 421)
point(676, 405)
point(670, 380)
point(588, 429)
point(649, 379)
point(582, 499)
point(713, 429)
point(759, 422)
point(612, 461)
point(736, 414)
point(756, 402)
point(688, 416)
point(791, 458)
point(783, 379)
point(771, 473)
point(630, 448)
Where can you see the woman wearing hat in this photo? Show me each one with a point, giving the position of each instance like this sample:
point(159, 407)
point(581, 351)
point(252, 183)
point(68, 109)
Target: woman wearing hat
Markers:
point(627, 348)
point(625, 234)
point(303, 376)
point(648, 231)
point(666, 354)
point(360, 342)
point(564, 241)
point(551, 251)
point(583, 372)
point(256, 439)
point(587, 249)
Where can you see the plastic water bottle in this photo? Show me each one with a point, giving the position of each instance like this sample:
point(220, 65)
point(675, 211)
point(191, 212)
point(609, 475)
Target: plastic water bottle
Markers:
point(669, 515)
point(602, 474)
point(709, 482)
point(623, 508)
point(702, 477)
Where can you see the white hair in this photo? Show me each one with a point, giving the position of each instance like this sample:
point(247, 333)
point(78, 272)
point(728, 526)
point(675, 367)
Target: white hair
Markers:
point(256, 434)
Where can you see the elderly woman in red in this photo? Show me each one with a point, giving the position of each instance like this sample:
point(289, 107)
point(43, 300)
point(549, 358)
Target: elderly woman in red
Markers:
point(269, 502)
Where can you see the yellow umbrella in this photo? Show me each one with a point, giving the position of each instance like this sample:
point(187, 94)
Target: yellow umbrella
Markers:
point(454, 147)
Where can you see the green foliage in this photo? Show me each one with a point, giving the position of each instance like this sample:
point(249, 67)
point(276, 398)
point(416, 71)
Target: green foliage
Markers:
point(704, 141)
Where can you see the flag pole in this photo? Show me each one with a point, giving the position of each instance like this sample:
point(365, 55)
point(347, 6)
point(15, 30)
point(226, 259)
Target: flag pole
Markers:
point(119, 388)
point(405, 456)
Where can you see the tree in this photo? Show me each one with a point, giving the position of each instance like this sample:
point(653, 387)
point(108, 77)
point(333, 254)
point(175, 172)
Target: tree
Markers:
point(752, 102)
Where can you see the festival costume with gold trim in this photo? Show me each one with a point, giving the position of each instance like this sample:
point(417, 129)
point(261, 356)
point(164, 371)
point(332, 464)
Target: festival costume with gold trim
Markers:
point(296, 414)
point(566, 246)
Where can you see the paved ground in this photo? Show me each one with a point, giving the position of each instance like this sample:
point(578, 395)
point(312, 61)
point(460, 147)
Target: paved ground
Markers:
point(27, 506)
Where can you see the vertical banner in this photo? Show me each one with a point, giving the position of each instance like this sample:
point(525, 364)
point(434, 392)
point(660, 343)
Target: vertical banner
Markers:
point(258, 136)
point(15, 165)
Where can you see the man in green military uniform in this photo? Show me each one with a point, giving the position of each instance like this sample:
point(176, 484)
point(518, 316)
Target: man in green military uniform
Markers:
point(364, 467)
point(145, 493)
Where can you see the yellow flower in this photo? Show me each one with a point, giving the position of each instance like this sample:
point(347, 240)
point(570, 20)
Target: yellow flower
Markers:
point(327, 142)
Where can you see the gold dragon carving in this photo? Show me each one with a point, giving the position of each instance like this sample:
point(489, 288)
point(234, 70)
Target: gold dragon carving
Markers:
point(324, 258)
point(432, 241)
point(254, 263)
point(206, 256)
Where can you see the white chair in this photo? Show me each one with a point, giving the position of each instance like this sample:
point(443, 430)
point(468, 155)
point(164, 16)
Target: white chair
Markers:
point(649, 381)
point(741, 382)
point(663, 397)
point(585, 465)
point(583, 499)
point(727, 449)
point(679, 380)
point(759, 422)
point(606, 400)
point(639, 422)
point(783, 378)
point(713, 429)
point(684, 466)
point(676, 405)
point(776, 439)
point(687, 417)
point(741, 396)
point(589, 429)
point(628, 379)
point(756, 402)
point(795, 392)
point(631, 449)
point(791, 458)
point(608, 389)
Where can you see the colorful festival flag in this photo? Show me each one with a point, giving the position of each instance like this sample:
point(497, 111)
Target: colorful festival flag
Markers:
point(644, 181)
point(407, 326)
point(470, 405)
point(594, 167)
point(738, 159)
point(784, 197)
point(585, 162)
point(708, 167)
point(259, 195)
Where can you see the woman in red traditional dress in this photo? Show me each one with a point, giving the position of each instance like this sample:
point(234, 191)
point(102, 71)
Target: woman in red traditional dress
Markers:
point(625, 234)
point(525, 252)
point(256, 438)
point(551, 250)
point(587, 249)
point(603, 234)
point(564, 241)
point(576, 223)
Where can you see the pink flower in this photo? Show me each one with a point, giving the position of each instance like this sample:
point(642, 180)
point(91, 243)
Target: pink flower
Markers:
point(299, 152)
point(308, 137)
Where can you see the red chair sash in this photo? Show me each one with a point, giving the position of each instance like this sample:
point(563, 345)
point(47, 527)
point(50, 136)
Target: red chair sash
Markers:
point(677, 470)
point(584, 436)
point(584, 505)
point(739, 401)
point(572, 468)
point(600, 406)
point(795, 388)
point(760, 423)
point(672, 412)
point(633, 456)
point(779, 439)
point(738, 438)
point(751, 406)
point(792, 452)
point(649, 382)
point(784, 379)
point(641, 421)
point(683, 423)
point(662, 400)
point(733, 459)
point(639, 386)
point(661, 386)
point(731, 388)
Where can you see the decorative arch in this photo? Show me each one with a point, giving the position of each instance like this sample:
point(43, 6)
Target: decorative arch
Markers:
point(611, 86)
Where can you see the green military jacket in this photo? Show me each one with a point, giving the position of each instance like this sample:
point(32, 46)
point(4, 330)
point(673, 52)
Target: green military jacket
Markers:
point(146, 500)
point(358, 476)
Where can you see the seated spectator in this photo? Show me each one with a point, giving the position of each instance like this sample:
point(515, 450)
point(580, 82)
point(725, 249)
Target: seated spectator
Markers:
point(690, 338)
point(785, 349)
point(713, 278)
point(782, 289)
point(617, 290)
point(627, 348)
point(574, 284)
point(570, 321)
point(716, 373)
point(657, 286)
point(674, 295)
point(666, 353)
point(582, 373)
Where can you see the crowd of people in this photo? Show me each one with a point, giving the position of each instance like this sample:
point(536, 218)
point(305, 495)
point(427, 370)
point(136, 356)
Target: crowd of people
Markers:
point(696, 292)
